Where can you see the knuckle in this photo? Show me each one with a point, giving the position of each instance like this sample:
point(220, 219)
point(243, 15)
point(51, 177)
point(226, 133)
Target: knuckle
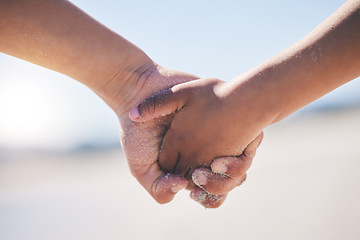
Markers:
point(148, 106)
point(238, 169)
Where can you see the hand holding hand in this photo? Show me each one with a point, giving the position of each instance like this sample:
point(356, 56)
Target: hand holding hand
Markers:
point(141, 141)
point(201, 131)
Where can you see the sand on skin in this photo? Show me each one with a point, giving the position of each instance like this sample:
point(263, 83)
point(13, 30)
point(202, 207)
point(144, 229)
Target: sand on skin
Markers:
point(304, 184)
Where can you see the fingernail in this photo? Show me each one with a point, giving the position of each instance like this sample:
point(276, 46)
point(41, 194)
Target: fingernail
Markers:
point(176, 188)
point(220, 168)
point(134, 113)
point(199, 178)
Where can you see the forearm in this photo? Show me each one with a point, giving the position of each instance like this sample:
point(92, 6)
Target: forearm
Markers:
point(57, 35)
point(325, 59)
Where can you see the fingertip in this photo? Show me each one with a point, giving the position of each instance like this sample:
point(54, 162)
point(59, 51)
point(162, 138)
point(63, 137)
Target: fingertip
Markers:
point(179, 185)
point(260, 137)
point(166, 187)
point(207, 200)
point(219, 166)
point(215, 183)
point(134, 114)
point(249, 152)
point(251, 149)
point(200, 177)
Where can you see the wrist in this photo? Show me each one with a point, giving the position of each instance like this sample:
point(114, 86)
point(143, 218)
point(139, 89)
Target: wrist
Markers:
point(132, 87)
point(122, 90)
point(250, 96)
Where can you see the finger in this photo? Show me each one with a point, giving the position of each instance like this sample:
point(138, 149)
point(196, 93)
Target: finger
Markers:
point(206, 199)
point(162, 187)
point(169, 155)
point(237, 166)
point(215, 184)
point(161, 104)
point(250, 150)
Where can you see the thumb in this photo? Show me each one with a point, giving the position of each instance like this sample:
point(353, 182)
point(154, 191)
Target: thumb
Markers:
point(160, 104)
point(161, 186)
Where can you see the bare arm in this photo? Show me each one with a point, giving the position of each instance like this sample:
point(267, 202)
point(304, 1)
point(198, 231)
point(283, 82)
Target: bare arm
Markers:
point(325, 59)
point(57, 35)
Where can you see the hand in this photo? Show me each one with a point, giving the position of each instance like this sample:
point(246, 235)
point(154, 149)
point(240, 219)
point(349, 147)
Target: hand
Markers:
point(225, 174)
point(199, 133)
point(141, 141)
point(119, 72)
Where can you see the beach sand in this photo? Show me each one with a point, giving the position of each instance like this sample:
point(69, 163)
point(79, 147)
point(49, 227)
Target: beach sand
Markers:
point(304, 184)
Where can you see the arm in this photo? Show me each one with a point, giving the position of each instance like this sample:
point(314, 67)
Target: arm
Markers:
point(57, 35)
point(208, 110)
point(325, 59)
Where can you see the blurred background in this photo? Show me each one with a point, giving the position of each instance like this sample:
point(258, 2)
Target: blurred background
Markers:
point(63, 174)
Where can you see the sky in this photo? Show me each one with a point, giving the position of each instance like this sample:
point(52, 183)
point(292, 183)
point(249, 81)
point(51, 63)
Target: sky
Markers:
point(42, 109)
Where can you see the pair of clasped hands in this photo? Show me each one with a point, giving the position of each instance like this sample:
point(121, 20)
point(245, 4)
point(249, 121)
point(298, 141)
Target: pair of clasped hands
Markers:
point(179, 131)
point(181, 134)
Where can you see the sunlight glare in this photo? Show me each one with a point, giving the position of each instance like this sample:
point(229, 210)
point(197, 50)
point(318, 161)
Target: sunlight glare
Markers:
point(27, 114)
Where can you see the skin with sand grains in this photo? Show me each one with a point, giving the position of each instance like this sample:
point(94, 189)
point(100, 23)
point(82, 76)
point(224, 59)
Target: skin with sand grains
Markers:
point(142, 141)
point(201, 131)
